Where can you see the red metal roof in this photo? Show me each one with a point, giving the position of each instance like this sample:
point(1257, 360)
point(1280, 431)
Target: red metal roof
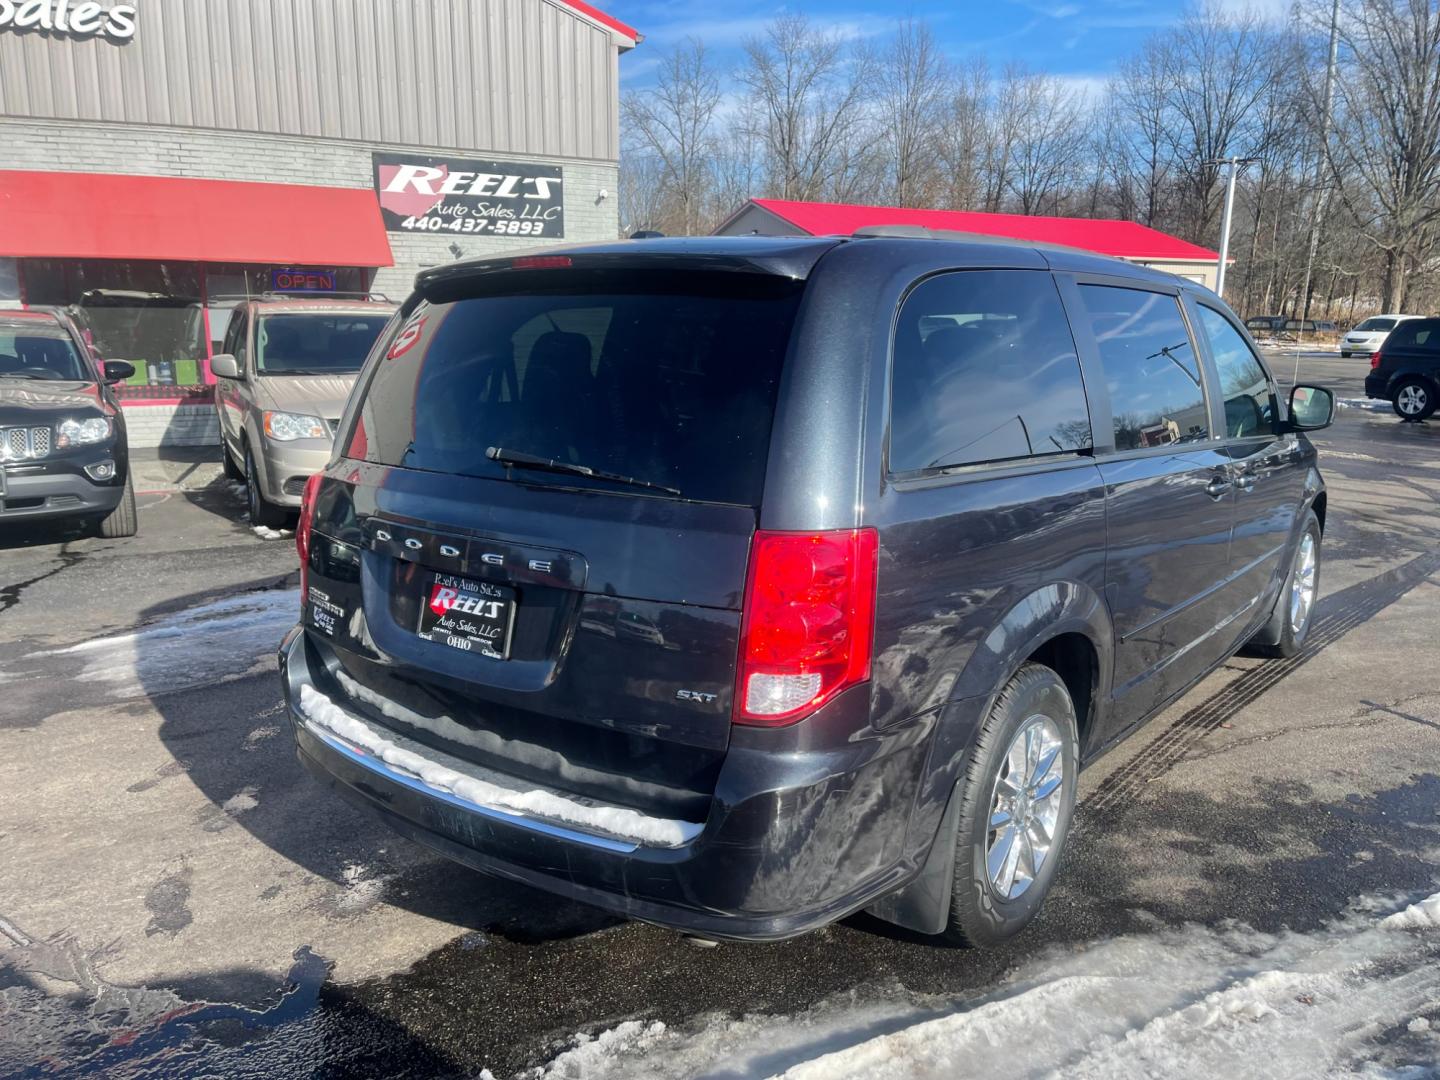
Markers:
point(68, 215)
point(602, 18)
point(1107, 236)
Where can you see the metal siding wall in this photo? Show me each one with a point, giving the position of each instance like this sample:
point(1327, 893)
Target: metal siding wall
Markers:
point(501, 76)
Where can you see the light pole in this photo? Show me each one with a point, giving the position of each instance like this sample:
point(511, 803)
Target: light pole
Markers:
point(1234, 163)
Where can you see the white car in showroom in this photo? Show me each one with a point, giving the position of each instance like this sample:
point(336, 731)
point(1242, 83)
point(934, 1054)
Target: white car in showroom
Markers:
point(1370, 334)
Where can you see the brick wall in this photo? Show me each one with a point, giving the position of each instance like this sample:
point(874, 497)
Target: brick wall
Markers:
point(220, 155)
point(172, 425)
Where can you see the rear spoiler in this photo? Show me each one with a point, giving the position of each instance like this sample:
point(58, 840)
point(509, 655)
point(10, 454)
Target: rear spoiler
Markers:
point(786, 257)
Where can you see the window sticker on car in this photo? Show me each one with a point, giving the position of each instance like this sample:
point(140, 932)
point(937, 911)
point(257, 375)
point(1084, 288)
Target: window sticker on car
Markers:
point(406, 339)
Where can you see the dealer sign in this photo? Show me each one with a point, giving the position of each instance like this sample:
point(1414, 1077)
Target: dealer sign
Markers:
point(461, 195)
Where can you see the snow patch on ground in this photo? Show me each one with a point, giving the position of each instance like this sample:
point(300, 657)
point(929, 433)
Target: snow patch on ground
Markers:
point(189, 648)
point(1195, 1001)
point(1367, 404)
point(611, 820)
point(589, 1052)
point(1422, 916)
point(267, 533)
point(241, 801)
point(362, 889)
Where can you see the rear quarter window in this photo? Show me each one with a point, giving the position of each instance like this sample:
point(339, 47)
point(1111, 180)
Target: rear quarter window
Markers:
point(1422, 334)
point(666, 377)
point(984, 370)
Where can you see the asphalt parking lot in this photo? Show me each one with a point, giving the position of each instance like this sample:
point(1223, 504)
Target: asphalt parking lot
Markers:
point(180, 898)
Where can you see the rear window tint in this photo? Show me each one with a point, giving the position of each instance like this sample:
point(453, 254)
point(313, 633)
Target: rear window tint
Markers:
point(666, 377)
point(985, 370)
point(1416, 334)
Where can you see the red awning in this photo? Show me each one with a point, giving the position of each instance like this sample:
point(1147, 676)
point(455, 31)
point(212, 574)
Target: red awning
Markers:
point(67, 215)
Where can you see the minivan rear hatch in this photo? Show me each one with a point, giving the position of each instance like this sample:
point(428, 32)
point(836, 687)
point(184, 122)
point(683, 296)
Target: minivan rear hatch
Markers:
point(555, 470)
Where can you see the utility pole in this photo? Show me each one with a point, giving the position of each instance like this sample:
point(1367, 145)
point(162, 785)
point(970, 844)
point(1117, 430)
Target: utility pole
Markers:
point(1321, 195)
point(1234, 163)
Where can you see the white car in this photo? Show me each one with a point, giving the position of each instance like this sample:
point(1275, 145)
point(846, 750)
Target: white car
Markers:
point(1370, 334)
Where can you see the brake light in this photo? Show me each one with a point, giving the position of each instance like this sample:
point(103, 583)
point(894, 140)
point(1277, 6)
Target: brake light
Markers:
point(808, 626)
point(541, 262)
point(302, 532)
point(1375, 359)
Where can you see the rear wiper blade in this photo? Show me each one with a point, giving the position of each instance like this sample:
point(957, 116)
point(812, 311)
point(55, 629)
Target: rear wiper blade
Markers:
point(534, 461)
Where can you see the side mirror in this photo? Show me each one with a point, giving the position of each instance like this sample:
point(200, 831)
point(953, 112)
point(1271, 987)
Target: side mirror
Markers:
point(117, 370)
point(224, 366)
point(1311, 407)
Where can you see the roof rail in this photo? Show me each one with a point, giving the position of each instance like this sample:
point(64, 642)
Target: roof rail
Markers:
point(922, 232)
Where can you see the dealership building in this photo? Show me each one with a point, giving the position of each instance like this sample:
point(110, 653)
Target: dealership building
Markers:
point(160, 156)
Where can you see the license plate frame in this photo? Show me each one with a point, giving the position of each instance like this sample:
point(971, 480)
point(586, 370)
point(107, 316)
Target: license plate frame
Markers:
point(468, 615)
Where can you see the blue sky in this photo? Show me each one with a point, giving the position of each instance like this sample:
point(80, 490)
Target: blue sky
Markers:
point(1079, 39)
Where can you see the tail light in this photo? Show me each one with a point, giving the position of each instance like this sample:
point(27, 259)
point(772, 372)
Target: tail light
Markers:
point(1375, 359)
point(808, 626)
point(302, 531)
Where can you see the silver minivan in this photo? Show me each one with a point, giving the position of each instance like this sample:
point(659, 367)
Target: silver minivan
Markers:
point(282, 377)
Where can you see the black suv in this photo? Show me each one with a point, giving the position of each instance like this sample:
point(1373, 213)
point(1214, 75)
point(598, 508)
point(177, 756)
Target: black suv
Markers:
point(737, 584)
point(1406, 370)
point(62, 433)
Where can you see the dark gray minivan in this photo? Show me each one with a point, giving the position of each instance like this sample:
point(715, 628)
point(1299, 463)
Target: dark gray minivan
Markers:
point(738, 584)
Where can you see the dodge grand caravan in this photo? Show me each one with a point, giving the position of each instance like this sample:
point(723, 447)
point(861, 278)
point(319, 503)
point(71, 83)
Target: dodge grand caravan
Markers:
point(738, 584)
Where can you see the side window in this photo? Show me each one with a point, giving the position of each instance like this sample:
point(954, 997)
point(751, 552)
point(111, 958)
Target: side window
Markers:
point(1156, 395)
point(985, 370)
point(1415, 334)
point(1250, 408)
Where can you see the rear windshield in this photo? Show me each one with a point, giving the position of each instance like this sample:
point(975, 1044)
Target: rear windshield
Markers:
point(43, 353)
point(669, 378)
point(315, 344)
point(1377, 324)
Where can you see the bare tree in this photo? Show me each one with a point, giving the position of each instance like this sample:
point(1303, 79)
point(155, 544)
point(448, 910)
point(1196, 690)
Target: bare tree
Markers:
point(912, 83)
point(1141, 97)
point(672, 122)
point(964, 138)
point(1047, 141)
point(810, 90)
point(1215, 66)
point(1388, 138)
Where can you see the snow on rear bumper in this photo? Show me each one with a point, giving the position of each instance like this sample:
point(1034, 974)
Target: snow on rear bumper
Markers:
point(794, 840)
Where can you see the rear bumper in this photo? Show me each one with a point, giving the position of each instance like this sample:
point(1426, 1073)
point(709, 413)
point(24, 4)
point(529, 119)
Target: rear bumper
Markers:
point(1376, 386)
point(795, 838)
point(58, 491)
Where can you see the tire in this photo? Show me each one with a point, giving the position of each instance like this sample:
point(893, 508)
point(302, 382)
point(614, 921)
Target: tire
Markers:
point(993, 896)
point(232, 471)
point(262, 512)
point(123, 520)
point(1345, 355)
point(1414, 399)
point(1283, 634)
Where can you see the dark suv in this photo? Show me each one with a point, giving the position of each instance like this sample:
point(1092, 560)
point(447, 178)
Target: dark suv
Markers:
point(737, 584)
point(63, 453)
point(1406, 370)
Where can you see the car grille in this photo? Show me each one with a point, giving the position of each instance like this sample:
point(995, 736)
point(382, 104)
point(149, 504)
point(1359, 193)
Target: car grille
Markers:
point(24, 444)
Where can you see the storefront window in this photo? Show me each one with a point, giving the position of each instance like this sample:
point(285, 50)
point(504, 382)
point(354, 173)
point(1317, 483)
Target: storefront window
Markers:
point(156, 314)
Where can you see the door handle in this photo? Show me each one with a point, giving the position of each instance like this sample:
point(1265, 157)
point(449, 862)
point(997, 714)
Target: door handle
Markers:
point(1246, 481)
point(1217, 486)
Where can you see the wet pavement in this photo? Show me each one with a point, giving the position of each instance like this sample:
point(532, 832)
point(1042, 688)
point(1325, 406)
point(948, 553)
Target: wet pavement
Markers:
point(179, 898)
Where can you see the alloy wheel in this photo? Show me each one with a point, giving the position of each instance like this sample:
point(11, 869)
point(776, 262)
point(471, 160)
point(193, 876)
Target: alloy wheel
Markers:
point(1302, 583)
point(1024, 807)
point(1411, 400)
